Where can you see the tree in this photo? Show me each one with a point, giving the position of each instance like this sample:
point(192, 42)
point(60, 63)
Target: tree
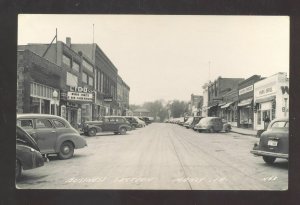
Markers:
point(178, 108)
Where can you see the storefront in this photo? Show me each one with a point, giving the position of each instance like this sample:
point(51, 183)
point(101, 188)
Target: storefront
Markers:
point(271, 99)
point(43, 99)
point(245, 110)
point(229, 112)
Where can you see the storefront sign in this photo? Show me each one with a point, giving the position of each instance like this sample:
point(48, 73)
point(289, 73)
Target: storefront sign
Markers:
point(265, 91)
point(77, 96)
point(80, 89)
point(285, 90)
point(63, 111)
point(108, 99)
point(246, 90)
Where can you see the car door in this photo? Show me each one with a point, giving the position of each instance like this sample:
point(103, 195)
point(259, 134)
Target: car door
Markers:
point(107, 124)
point(46, 135)
point(219, 124)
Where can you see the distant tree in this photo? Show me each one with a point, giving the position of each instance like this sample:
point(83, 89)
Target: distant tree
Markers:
point(179, 108)
point(134, 107)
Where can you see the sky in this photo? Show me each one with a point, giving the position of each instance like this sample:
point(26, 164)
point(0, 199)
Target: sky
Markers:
point(172, 56)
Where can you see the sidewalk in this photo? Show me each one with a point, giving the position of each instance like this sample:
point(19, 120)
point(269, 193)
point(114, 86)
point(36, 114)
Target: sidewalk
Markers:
point(243, 131)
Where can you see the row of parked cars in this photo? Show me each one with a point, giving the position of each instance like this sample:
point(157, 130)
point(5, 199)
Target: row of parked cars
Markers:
point(38, 135)
point(198, 123)
point(273, 142)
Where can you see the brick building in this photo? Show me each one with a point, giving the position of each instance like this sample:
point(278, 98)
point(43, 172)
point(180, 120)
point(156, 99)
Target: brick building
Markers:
point(196, 105)
point(216, 90)
point(82, 76)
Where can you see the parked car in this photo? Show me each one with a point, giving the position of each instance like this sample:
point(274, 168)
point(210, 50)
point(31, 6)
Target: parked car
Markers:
point(195, 121)
point(28, 154)
point(146, 120)
point(212, 124)
point(133, 122)
point(181, 120)
point(188, 122)
point(115, 124)
point(53, 134)
point(141, 123)
point(274, 142)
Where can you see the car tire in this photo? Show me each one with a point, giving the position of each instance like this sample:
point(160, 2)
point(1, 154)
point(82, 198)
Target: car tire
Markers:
point(211, 130)
point(123, 130)
point(92, 132)
point(116, 133)
point(269, 160)
point(18, 169)
point(66, 150)
point(199, 131)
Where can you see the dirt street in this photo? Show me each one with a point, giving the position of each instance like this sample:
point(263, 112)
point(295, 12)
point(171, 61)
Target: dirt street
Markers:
point(161, 156)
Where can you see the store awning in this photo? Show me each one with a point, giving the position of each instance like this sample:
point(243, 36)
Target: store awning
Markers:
point(245, 102)
point(212, 106)
point(222, 104)
point(261, 100)
point(226, 105)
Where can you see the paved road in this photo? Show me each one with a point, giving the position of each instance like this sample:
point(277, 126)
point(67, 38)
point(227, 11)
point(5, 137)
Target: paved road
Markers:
point(161, 156)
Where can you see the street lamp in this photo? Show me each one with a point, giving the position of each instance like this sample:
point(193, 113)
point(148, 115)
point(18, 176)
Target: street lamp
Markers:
point(55, 97)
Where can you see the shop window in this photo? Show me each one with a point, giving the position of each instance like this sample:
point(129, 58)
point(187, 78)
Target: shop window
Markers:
point(43, 123)
point(259, 117)
point(84, 77)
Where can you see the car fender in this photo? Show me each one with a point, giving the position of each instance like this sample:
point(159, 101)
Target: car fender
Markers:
point(99, 129)
point(77, 140)
point(29, 157)
point(128, 128)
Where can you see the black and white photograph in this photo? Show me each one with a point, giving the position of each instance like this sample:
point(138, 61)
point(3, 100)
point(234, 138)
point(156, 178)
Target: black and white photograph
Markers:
point(152, 102)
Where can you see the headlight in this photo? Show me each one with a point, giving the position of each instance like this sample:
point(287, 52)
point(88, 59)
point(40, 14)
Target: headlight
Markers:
point(32, 150)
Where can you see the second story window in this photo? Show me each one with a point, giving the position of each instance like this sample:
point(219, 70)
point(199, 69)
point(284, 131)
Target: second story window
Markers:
point(91, 81)
point(75, 66)
point(66, 60)
point(84, 77)
point(88, 66)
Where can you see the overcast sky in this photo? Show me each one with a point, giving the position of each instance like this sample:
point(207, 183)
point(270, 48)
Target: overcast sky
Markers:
point(171, 56)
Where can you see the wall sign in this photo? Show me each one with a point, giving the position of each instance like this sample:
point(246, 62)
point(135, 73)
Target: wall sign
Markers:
point(77, 96)
point(81, 89)
point(246, 90)
point(265, 91)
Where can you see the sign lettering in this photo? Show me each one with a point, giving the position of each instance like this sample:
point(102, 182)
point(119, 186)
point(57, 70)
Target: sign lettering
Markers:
point(246, 90)
point(76, 96)
point(285, 89)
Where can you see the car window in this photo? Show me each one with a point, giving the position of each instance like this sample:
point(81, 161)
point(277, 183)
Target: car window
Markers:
point(106, 119)
point(112, 119)
point(26, 124)
point(119, 120)
point(58, 123)
point(278, 124)
point(43, 123)
point(287, 124)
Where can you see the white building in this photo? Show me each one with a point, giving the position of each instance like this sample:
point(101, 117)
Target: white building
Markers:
point(271, 97)
point(205, 100)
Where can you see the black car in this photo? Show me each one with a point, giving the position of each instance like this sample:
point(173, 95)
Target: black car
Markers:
point(133, 122)
point(115, 124)
point(28, 154)
point(146, 120)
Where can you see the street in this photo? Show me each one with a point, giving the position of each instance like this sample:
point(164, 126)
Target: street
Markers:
point(161, 156)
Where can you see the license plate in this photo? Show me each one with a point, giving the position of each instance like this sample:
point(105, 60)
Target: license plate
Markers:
point(272, 143)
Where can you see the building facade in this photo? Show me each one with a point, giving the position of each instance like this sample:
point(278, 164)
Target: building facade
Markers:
point(245, 104)
point(216, 90)
point(228, 107)
point(78, 84)
point(271, 98)
point(205, 100)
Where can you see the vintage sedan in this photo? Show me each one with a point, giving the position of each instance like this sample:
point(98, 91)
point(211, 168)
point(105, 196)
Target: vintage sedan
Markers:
point(274, 142)
point(115, 124)
point(28, 154)
point(53, 134)
point(212, 124)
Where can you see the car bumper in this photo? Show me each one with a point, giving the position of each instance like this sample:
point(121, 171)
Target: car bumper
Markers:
point(270, 154)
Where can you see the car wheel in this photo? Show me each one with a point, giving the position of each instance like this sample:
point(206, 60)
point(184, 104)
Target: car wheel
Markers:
point(66, 150)
point(133, 127)
point(269, 160)
point(18, 169)
point(211, 130)
point(123, 131)
point(116, 133)
point(92, 132)
point(199, 131)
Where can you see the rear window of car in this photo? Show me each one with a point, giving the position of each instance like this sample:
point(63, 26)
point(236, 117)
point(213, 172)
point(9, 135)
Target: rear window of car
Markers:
point(119, 120)
point(43, 123)
point(26, 124)
point(280, 124)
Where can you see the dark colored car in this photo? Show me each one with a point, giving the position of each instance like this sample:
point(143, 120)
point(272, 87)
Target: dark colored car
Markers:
point(212, 124)
point(53, 134)
point(274, 142)
point(28, 154)
point(146, 120)
point(115, 124)
point(133, 122)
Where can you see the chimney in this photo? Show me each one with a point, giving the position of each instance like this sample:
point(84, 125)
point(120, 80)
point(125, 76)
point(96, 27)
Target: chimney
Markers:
point(68, 42)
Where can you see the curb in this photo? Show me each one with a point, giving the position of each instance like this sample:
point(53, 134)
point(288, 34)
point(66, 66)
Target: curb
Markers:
point(253, 135)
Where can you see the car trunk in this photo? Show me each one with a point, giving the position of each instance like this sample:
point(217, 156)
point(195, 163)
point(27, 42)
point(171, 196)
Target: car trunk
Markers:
point(274, 141)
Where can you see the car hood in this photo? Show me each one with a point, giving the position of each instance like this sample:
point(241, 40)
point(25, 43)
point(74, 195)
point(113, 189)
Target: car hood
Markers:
point(22, 137)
